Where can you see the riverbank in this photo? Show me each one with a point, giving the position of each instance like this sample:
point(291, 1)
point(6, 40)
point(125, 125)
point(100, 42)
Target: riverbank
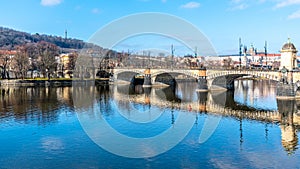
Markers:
point(52, 82)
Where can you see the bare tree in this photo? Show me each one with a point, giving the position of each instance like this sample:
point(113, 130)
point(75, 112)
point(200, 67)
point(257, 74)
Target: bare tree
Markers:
point(32, 52)
point(5, 61)
point(84, 66)
point(227, 63)
point(21, 62)
point(46, 58)
point(72, 61)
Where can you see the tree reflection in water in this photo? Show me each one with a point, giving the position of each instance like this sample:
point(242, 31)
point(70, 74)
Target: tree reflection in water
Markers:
point(40, 105)
point(29, 104)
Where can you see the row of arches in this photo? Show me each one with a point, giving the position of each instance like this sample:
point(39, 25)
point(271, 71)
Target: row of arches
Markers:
point(138, 78)
point(222, 79)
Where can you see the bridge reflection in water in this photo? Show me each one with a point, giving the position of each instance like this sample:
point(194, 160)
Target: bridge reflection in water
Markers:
point(256, 131)
point(233, 104)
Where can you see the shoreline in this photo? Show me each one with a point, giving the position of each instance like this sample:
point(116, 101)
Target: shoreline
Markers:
point(51, 82)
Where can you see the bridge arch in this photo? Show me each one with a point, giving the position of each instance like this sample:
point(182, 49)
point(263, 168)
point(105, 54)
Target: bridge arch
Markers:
point(165, 78)
point(128, 77)
point(170, 77)
point(225, 79)
point(103, 74)
point(272, 75)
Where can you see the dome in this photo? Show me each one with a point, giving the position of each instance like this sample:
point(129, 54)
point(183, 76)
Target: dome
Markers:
point(289, 46)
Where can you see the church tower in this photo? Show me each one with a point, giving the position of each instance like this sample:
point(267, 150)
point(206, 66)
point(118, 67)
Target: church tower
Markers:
point(288, 56)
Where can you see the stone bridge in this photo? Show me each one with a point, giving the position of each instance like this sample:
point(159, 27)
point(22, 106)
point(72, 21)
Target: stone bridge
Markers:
point(155, 76)
point(210, 79)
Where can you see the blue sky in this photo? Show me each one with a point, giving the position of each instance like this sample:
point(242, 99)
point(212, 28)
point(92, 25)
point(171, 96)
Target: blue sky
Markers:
point(222, 21)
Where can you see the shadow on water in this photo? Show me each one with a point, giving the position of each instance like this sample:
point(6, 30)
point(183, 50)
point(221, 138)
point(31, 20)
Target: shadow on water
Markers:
point(228, 97)
point(29, 104)
point(130, 89)
point(168, 94)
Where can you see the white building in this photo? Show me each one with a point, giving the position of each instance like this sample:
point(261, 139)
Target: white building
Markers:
point(288, 56)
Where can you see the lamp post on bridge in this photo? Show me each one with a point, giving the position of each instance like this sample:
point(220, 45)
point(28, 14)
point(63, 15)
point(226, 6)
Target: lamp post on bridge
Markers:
point(149, 59)
point(240, 52)
point(245, 56)
point(266, 53)
point(144, 55)
point(172, 56)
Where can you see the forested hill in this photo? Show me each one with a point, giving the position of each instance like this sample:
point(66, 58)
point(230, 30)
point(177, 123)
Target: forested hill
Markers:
point(10, 39)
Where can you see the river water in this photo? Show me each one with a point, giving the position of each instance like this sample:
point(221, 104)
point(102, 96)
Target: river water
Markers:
point(121, 126)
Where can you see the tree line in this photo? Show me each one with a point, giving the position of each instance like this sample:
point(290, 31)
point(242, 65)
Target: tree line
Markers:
point(21, 52)
point(30, 57)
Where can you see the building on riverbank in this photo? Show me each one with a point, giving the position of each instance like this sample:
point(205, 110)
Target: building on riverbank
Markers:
point(288, 56)
point(66, 64)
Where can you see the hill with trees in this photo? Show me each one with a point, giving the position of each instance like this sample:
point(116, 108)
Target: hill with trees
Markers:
point(10, 39)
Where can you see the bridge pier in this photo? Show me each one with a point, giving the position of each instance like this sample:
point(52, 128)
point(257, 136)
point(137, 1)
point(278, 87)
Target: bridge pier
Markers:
point(202, 81)
point(202, 99)
point(147, 78)
point(147, 92)
point(286, 89)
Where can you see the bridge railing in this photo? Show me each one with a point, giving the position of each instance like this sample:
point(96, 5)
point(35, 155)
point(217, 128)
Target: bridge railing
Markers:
point(156, 67)
point(195, 68)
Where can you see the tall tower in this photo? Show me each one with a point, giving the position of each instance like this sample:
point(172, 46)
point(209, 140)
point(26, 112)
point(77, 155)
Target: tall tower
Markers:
point(288, 56)
point(66, 34)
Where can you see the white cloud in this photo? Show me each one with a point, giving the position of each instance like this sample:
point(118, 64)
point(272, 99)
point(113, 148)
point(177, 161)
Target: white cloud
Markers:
point(284, 3)
point(239, 4)
point(95, 11)
point(262, 1)
point(295, 15)
point(163, 1)
point(242, 4)
point(191, 5)
point(239, 7)
point(236, 1)
point(50, 2)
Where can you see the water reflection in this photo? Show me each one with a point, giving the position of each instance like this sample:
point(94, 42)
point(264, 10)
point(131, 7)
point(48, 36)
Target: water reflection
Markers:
point(289, 124)
point(248, 112)
point(247, 102)
point(251, 100)
point(259, 94)
point(28, 104)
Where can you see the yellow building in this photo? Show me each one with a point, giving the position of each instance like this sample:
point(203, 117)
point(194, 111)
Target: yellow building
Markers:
point(67, 64)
